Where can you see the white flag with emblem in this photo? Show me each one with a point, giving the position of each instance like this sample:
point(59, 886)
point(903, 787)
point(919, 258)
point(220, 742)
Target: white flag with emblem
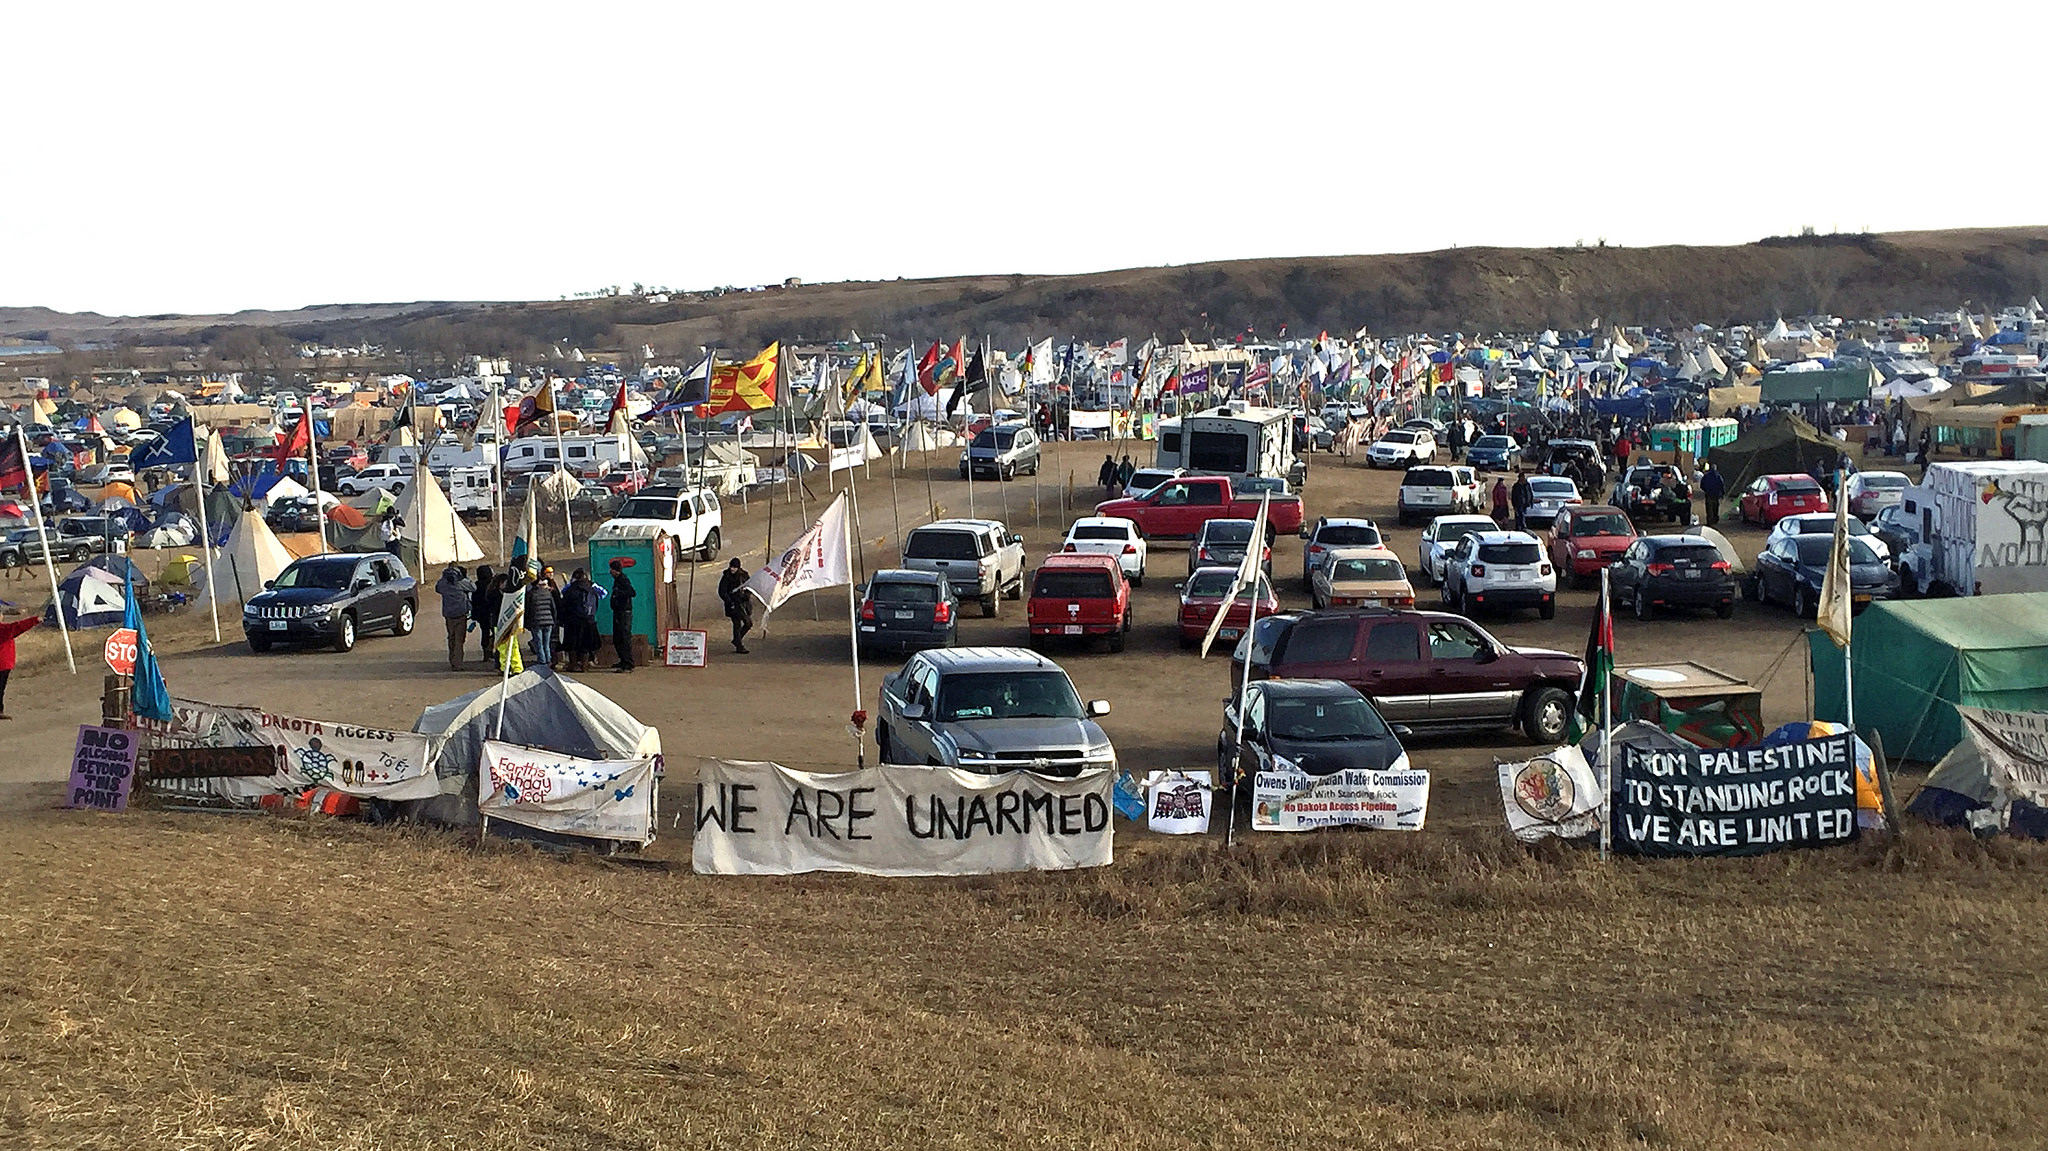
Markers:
point(818, 559)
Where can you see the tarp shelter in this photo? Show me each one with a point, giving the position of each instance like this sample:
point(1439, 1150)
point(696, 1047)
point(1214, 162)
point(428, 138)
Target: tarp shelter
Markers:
point(94, 593)
point(1786, 444)
point(1917, 659)
point(251, 557)
point(1963, 789)
point(727, 468)
point(1827, 384)
point(435, 536)
point(541, 709)
point(1721, 401)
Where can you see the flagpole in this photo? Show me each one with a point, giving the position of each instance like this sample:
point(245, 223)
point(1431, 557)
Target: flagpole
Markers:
point(561, 456)
point(200, 465)
point(1606, 730)
point(313, 473)
point(860, 747)
point(35, 502)
point(497, 460)
point(1253, 559)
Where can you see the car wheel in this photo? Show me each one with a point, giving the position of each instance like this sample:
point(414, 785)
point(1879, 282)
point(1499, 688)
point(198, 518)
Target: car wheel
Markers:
point(1443, 593)
point(1801, 602)
point(1725, 609)
point(711, 543)
point(397, 489)
point(345, 633)
point(80, 555)
point(10, 560)
point(1138, 580)
point(1464, 607)
point(1642, 606)
point(1008, 474)
point(1549, 608)
point(1547, 715)
point(259, 644)
point(989, 604)
point(403, 624)
point(1016, 591)
point(882, 748)
point(1118, 638)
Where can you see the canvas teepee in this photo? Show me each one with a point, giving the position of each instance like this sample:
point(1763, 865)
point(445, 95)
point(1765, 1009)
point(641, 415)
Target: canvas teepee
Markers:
point(251, 557)
point(434, 535)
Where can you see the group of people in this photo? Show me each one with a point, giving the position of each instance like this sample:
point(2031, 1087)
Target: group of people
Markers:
point(561, 621)
point(1115, 477)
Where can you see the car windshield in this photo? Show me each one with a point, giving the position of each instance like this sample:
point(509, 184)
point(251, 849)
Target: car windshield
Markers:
point(1602, 524)
point(1008, 695)
point(1348, 536)
point(1509, 553)
point(1214, 583)
point(1101, 532)
point(1367, 569)
point(1813, 550)
point(889, 592)
point(1426, 478)
point(1494, 442)
point(1324, 719)
point(654, 508)
point(1062, 583)
point(995, 437)
point(941, 546)
point(1399, 437)
point(325, 575)
point(1227, 532)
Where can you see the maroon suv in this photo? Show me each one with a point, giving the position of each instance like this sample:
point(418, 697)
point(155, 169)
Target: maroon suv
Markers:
point(1422, 669)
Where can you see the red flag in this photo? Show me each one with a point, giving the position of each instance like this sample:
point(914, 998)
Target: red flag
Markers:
point(618, 405)
point(511, 418)
point(925, 378)
point(13, 469)
point(1172, 384)
point(298, 441)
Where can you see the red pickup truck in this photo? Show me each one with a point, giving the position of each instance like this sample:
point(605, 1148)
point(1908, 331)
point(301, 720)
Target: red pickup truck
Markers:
point(1178, 508)
point(1080, 594)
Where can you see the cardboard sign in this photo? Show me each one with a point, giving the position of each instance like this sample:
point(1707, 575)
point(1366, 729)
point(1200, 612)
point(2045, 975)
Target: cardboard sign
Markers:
point(685, 648)
point(102, 768)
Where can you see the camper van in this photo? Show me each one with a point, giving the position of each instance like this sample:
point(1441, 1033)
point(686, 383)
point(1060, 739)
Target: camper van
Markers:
point(1975, 529)
point(529, 453)
point(1236, 439)
point(444, 458)
point(472, 491)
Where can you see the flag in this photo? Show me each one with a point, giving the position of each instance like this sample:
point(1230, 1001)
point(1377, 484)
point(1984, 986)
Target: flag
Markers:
point(866, 377)
point(1194, 381)
point(300, 438)
point(946, 370)
point(1249, 571)
point(527, 541)
point(1834, 612)
point(816, 560)
point(1039, 362)
point(977, 373)
point(926, 370)
point(1172, 384)
point(177, 447)
point(747, 387)
point(149, 696)
point(1599, 668)
point(404, 417)
point(13, 465)
point(618, 411)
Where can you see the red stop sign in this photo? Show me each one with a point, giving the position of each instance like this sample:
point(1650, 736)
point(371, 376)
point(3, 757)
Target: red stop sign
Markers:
point(121, 651)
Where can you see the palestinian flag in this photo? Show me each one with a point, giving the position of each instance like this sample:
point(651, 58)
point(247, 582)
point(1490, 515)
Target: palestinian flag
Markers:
point(1599, 668)
point(13, 468)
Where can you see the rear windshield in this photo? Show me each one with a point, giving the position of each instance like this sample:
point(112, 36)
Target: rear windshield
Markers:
point(1522, 553)
point(904, 593)
point(1368, 569)
point(1105, 532)
point(1214, 583)
point(1798, 487)
point(941, 546)
point(1494, 442)
point(1546, 486)
point(1426, 478)
point(1228, 531)
point(1690, 554)
point(1888, 483)
point(1608, 524)
point(1348, 536)
point(1058, 584)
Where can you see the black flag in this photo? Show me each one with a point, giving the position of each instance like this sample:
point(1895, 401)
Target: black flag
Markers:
point(977, 373)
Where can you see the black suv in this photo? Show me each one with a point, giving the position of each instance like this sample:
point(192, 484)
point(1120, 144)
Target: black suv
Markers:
point(1672, 571)
point(332, 599)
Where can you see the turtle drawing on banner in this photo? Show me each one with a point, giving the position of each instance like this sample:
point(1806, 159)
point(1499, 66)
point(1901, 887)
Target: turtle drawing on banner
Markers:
point(315, 764)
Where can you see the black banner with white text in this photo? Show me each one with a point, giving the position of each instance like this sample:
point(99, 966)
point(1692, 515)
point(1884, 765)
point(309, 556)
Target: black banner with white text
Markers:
point(1735, 801)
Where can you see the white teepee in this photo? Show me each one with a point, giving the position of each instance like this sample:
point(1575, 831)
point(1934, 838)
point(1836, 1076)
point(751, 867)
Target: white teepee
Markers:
point(437, 534)
point(251, 557)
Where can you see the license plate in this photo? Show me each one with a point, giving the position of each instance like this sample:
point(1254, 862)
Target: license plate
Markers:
point(279, 625)
point(1511, 577)
point(1229, 633)
point(1369, 603)
point(1861, 599)
point(1689, 574)
point(906, 615)
point(867, 627)
point(1071, 629)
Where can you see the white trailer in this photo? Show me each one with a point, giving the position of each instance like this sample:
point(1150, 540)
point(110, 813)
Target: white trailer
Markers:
point(529, 453)
point(472, 491)
point(1977, 528)
point(1237, 439)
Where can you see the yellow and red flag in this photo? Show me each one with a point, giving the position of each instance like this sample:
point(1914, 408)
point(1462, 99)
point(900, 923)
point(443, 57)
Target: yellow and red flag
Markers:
point(747, 387)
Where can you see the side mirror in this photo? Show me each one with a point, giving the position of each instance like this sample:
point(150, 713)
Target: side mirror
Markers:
point(860, 589)
point(912, 711)
point(268, 584)
point(1017, 539)
point(1486, 655)
point(1097, 708)
point(1402, 731)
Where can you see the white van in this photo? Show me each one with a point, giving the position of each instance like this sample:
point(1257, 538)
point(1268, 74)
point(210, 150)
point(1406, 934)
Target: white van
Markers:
point(529, 453)
point(472, 491)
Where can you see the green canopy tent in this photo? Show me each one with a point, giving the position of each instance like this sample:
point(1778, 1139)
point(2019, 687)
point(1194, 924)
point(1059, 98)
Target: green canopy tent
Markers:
point(1917, 659)
point(1850, 384)
point(1786, 444)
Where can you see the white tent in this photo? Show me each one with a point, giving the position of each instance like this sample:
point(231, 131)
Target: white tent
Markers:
point(286, 488)
point(437, 534)
point(251, 557)
point(925, 437)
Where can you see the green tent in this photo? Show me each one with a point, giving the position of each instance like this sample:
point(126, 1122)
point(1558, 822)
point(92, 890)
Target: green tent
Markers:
point(1786, 444)
point(1917, 659)
point(1827, 384)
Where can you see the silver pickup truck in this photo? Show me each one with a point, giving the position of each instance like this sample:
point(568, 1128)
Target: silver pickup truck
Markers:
point(981, 559)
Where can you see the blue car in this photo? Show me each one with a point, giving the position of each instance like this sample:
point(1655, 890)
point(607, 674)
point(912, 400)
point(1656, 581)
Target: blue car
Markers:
point(1494, 453)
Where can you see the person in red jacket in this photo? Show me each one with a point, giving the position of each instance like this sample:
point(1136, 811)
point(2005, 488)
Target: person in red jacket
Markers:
point(7, 633)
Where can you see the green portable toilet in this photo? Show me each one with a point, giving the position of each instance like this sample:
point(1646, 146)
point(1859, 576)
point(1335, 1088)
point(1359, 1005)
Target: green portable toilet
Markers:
point(652, 553)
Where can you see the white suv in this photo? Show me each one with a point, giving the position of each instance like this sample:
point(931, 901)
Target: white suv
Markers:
point(1437, 490)
point(385, 477)
point(692, 515)
point(1500, 570)
point(1110, 536)
point(1401, 447)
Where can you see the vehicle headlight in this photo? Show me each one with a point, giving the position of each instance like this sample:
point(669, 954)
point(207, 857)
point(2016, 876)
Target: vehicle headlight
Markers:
point(1104, 753)
point(1588, 554)
point(973, 753)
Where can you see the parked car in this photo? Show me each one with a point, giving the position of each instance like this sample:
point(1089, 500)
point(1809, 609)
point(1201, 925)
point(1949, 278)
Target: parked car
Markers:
point(1201, 596)
point(1110, 536)
point(1823, 524)
point(1497, 569)
point(1145, 479)
point(1553, 494)
point(1646, 497)
point(1424, 669)
point(691, 514)
point(1895, 528)
point(1178, 508)
point(105, 533)
point(990, 710)
point(294, 515)
point(981, 559)
point(1587, 537)
point(376, 477)
point(24, 546)
point(1790, 570)
point(1002, 452)
point(1402, 447)
point(1872, 492)
point(1577, 455)
point(904, 611)
point(1494, 453)
point(332, 599)
point(1443, 534)
point(1322, 726)
point(1672, 571)
point(1334, 532)
point(1222, 543)
point(1361, 577)
point(1772, 498)
point(1438, 490)
point(1080, 596)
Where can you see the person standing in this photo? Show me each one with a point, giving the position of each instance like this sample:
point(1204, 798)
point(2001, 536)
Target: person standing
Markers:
point(541, 602)
point(1106, 476)
point(739, 603)
point(622, 616)
point(454, 588)
point(1457, 438)
point(1712, 488)
point(389, 532)
point(1500, 500)
point(579, 620)
point(1124, 472)
point(8, 633)
point(1520, 497)
point(484, 603)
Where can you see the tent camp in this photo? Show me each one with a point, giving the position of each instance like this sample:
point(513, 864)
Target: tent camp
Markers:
point(1917, 659)
point(1786, 444)
point(726, 468)
point(251, 557)
point(434, 535)
point(94, 593)
point(924, 437)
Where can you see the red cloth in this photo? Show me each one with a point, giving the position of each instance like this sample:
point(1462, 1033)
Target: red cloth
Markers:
point(7, 633)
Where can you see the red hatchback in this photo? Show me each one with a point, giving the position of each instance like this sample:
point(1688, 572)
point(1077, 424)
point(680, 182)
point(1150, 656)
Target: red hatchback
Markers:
point(1080, 595)
point(1772, 498)
point(1202, 595)
point(1587, 537)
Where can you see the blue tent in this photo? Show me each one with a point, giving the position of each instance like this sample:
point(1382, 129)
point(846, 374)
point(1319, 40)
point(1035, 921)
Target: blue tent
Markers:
point(94, 593)
point(2009, 337)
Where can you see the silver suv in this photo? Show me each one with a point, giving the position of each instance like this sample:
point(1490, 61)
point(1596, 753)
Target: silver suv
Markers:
point(981, 559)
point(990, 710)
point(1001, 452)
point(1500, 570)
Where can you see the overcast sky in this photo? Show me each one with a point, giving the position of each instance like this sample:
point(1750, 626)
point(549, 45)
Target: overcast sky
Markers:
point(205, 156)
